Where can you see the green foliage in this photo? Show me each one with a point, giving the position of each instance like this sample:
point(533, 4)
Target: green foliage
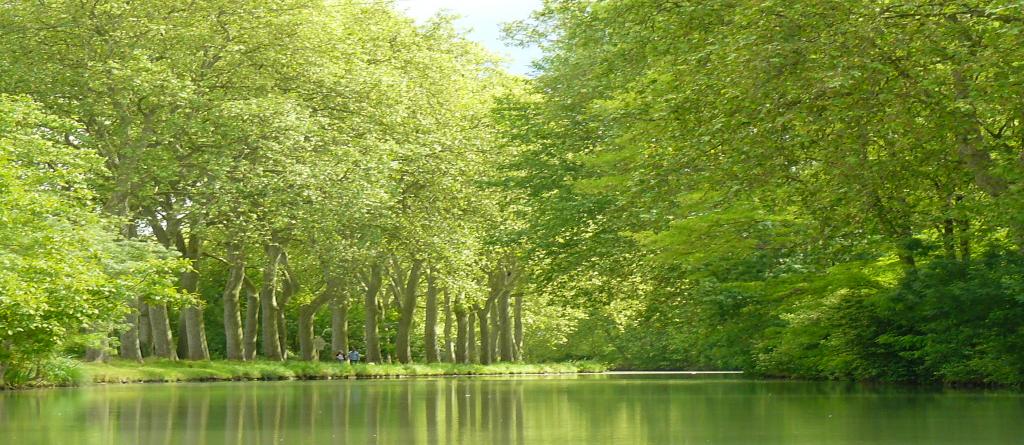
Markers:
point(806, 188)
point(64, 271)
point(951, 322)
point(61, 371)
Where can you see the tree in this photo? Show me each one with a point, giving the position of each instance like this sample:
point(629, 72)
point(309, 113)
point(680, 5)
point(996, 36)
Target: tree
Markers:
point(68, 274)
point(697, 166)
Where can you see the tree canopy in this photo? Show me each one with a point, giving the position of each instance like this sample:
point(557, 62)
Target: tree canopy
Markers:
point(803, 188)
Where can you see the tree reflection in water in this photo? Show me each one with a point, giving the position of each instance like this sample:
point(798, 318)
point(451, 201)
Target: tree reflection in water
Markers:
point(505, 411)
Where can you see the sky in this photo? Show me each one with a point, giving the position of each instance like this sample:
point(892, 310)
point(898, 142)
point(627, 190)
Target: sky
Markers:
point(483, 19)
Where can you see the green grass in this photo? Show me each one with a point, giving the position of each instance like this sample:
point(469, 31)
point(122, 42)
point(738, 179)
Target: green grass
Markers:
point(183, 371)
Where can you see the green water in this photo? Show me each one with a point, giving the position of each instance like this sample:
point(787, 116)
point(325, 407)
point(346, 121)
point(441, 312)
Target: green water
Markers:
point(555, 410)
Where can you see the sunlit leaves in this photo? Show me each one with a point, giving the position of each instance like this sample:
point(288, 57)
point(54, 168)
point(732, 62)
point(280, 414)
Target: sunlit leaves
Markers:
point(63, 268)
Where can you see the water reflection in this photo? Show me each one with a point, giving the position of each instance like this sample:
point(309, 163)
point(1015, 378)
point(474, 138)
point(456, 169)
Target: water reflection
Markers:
point(508, 411)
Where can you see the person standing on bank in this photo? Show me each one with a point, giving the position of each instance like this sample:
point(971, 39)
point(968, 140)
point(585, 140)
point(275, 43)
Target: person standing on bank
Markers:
point(353, 356)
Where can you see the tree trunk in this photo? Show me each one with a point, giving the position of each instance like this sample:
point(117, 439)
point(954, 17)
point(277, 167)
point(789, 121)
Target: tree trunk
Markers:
point(164, 345)
point(252, 313)
point(505, 328)
point(232, 315)
point(307, 314)
point(145, 330)
point(449, 351)
point(386, 299)
point(288, 290)
point(305, 333)
point(487, 316)
point(118, 205)
point(160, 326)
point(948, 239)
point(495, 330)
point(970, 141)
point(98, 354)
point(268, 303)
point(471, 350)
point(192, 328)
point(373, 284)
point(485, 336)
point(339, 323)
point(408, 311)
point(195, 327)
point(282, 328)
point(182, 344)
point(430, 326)
point(898, 230)
point(970, 146)
point(130, 349)
point(965, 240)
point(518, 351)
point(462, 346)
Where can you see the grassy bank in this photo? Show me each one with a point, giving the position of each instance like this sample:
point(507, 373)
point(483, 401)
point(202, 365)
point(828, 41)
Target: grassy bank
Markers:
point(182, 371)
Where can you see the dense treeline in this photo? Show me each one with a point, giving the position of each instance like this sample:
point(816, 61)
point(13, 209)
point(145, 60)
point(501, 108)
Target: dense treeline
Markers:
point(804, 188)
point(197, 179)
point(801, 188)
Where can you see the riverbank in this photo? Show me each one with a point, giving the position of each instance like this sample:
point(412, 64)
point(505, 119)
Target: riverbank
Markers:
point(154, 371)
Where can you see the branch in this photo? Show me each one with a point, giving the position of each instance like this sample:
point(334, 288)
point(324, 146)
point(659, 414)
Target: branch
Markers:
point(245, 278)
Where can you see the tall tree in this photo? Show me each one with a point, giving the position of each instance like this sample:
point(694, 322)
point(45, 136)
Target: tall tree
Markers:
point(430, 324)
